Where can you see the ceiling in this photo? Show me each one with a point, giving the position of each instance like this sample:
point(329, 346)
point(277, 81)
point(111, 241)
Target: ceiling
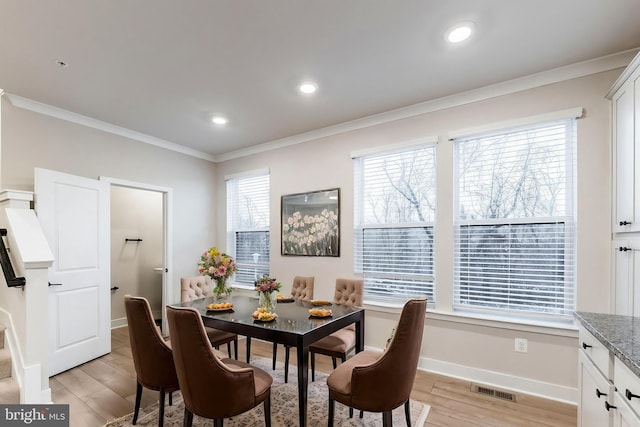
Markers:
point(164, 67)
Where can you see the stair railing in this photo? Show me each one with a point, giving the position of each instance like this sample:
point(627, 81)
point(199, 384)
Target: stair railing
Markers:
point(7, 267)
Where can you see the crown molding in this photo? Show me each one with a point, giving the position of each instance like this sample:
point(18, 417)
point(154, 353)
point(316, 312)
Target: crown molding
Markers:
point(59, 113)
point(556, 75)
point(581, 69)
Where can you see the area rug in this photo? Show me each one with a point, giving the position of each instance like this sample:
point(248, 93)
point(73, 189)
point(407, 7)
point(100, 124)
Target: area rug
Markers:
point(284, 407)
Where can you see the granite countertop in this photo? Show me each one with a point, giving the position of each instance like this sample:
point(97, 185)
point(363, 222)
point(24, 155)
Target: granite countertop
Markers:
point(620, 334)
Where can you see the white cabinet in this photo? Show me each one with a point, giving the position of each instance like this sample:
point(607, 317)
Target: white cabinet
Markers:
point(626, 276)
point(594, 394)
point(625, 105)
point(609, 392)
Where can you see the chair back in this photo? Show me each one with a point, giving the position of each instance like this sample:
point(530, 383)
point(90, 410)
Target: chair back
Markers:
point(209, 388)
point(152, 357)
point(302, 288)
point(195, 287)
point(349, 292)
point(395, 371)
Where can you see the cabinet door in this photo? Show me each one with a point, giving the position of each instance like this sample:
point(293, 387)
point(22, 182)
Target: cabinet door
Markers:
point(623, 415)
point(626, 277)
point(594, 392)
point(625, 160)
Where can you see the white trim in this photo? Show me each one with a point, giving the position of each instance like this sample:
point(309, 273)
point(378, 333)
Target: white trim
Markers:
point(562, 329)
point(401, 146)
point(542, 389)
point(247, 174)
point(581, 69)
point(633, 65)
point(570, 113)
point(59, 113)
point(529, 386)
point(168, 291)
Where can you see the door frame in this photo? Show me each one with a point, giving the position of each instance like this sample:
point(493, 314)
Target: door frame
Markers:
point(167, 224)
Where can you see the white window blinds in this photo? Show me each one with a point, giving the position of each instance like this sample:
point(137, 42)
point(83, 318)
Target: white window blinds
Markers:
point(514, 225)
point(248, 226)
point(394, 223)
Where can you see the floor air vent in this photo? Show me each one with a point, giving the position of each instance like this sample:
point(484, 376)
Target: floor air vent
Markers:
point(504, 395)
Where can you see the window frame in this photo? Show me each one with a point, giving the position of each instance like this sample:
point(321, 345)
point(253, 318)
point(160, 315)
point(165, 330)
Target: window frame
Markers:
point(568, 218)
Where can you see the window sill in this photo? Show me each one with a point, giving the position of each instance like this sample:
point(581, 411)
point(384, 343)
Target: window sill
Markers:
point(547, 327)
point(557, 328)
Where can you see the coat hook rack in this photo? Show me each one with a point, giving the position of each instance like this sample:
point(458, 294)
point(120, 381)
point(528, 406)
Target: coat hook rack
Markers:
point(133, 240)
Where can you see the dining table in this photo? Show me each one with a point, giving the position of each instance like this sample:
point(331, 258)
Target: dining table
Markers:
point(294, 327)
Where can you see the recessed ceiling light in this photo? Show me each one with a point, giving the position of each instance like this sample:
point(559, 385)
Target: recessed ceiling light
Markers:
point(219, 120)
point(459, 32)
point(308, 87)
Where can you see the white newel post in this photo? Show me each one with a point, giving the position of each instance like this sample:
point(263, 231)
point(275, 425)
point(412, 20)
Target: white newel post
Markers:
point(31, 257)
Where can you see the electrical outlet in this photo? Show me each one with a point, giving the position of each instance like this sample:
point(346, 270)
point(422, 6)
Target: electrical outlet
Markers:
point(522, 345)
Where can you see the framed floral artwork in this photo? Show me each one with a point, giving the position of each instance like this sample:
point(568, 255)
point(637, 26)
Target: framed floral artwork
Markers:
point(311, 223)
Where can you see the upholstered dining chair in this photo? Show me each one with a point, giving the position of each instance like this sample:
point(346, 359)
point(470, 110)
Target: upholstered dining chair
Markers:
point(382, 381)
point(199, 287)
point(301, 289)
point(340, 343)
point(212, 387)
point(152, 356)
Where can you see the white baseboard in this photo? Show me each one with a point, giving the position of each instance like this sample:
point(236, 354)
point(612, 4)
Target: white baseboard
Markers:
point(118, 323)
point(498, 379)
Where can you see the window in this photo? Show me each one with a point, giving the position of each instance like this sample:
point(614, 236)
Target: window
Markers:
point(514, 224)
point(248, 225)
point(394, 223)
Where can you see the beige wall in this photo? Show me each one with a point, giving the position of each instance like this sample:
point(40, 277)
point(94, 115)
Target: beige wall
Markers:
point(449, 344)
point(32, 140)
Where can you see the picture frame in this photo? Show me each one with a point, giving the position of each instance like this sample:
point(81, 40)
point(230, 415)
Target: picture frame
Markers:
point(310, 223)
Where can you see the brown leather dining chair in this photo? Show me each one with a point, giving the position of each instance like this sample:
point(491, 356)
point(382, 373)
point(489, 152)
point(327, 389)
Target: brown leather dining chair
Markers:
point(199, 287)
point(152, 356)
point(340, 343)
point(212, 387)
point(302, 289)
point(382, 381)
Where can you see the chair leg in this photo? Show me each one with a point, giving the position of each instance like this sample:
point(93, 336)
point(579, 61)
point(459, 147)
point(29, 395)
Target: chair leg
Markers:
point(387, 419)
point(235, 347)
point(267, 411)
point(170, 398)
point(218, 422)
point(335, 362)
point(275, 354)
point(188, 417)
point(407, 412)
point(161, 408)
point(350, 412)
point(361, 414)
point(286, 363)
point(332, 405)
point(313, 366)
point(137, 406)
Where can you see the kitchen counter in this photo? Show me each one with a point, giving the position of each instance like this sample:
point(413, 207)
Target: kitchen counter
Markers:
point(620, 334)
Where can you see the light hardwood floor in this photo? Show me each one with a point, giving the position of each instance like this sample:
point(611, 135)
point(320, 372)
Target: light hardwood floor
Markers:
point(104, 389)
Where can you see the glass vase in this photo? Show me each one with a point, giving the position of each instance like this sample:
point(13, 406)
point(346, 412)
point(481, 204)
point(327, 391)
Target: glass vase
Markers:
point(268, 300)
point(222, 292)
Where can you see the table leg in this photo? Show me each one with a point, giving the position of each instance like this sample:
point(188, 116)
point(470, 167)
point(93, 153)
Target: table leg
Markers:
point(360, 334)
point(303, 380)
point(248, 349)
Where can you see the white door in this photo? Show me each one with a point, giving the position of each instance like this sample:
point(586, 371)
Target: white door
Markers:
point(74, 214)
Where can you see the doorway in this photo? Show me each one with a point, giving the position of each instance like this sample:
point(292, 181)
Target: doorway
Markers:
point(139, 236)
